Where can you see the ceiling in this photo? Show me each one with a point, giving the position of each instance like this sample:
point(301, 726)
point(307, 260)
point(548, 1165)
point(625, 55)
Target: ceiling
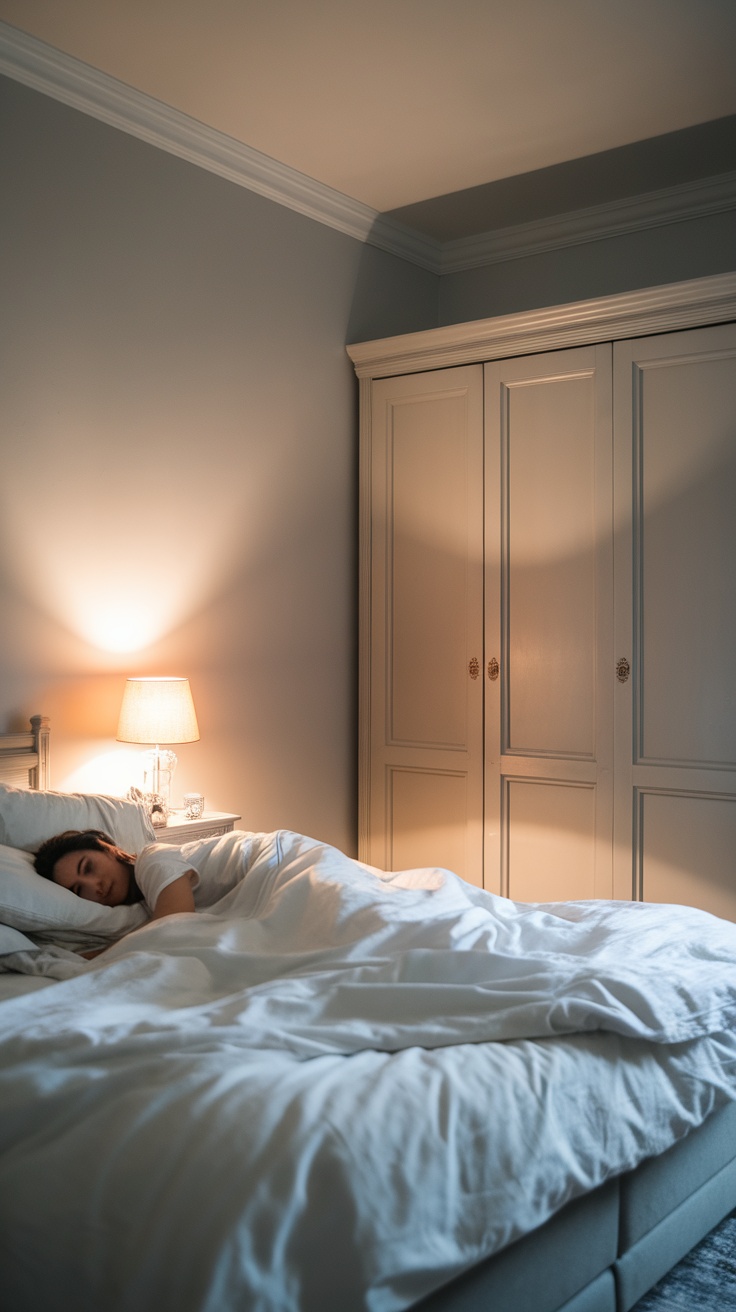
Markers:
point(497, 109)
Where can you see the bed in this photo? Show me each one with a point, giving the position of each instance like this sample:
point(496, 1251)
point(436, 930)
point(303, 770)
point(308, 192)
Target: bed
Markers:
point(387, 1116)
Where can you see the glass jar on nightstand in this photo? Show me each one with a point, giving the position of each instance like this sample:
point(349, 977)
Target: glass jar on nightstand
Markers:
point(178, 829)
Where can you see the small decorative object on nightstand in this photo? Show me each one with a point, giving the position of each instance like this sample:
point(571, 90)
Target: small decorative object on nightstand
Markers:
point(178, 829)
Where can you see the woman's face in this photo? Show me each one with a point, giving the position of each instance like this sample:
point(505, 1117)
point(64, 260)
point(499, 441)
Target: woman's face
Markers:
point(96, 876)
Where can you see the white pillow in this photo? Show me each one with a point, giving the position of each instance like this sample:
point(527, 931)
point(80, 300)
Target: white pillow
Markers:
point(28, 818)
point(52, 914)
point(11, 940)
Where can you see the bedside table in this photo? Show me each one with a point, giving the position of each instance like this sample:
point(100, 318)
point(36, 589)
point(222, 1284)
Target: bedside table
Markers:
point(177, 830)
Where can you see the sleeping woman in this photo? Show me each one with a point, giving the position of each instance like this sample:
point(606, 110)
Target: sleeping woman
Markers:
point(89, 864)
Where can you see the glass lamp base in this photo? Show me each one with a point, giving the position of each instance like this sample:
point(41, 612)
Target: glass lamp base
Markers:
point(158, 771)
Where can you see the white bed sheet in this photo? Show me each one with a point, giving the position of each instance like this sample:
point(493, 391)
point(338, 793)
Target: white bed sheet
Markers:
point(335, 1089)
point(15, 985)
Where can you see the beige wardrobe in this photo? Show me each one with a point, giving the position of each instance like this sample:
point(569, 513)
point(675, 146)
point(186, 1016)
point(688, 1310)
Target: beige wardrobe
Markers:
point(548, 645)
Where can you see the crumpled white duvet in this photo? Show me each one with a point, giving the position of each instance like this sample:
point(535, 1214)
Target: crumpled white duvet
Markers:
point(297, 1101)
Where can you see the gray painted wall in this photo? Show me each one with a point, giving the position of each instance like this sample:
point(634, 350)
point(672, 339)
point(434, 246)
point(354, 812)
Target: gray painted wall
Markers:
point(178, 437)
point(178, 431)
point(672, 253)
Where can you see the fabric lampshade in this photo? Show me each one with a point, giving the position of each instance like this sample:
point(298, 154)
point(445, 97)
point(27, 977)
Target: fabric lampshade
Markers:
point(157, 710)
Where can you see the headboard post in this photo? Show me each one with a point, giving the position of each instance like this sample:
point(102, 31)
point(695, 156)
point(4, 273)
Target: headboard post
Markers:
point(40, 777)
point(25, 757)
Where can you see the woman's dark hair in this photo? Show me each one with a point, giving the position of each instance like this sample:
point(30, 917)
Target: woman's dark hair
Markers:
point(80, 840)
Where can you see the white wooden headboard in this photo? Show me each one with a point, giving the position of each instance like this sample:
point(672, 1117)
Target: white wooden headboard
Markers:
point(25, 757)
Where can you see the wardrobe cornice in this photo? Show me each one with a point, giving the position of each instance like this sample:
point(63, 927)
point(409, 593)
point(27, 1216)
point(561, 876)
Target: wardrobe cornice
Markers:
point(650, 310)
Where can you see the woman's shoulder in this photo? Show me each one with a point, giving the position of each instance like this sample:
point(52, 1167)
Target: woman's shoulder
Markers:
point(158, 865)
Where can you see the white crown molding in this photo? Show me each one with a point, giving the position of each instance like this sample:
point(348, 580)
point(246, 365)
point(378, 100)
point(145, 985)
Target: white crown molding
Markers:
point(650, 310)
point(43, 68)
point(653, 209)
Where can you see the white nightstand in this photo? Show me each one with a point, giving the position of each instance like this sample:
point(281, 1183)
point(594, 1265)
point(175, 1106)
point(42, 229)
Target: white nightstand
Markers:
point(177, 830)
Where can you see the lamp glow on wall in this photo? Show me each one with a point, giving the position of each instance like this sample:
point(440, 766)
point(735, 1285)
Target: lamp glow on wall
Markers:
point(156, 711)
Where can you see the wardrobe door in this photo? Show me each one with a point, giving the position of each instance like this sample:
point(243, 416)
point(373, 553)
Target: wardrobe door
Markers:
point(675, 433)
point(423, 766)
point(548, 671)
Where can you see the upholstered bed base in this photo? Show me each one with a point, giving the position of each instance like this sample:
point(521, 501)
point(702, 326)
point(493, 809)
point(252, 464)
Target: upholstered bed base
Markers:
point(603, 1251)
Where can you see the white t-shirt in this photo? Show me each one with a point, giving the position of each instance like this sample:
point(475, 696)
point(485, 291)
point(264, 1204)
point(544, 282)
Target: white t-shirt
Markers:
point(215, 866)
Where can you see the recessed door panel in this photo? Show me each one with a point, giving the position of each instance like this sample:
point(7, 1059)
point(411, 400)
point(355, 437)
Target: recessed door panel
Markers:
point(428, 499)
point(430, 821)
point(551, 831)
point(686, 532)
point(688, 851)
point(549, 451)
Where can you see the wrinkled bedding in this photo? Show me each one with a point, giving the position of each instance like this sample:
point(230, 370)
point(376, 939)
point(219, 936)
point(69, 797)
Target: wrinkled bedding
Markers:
point(335, 1088)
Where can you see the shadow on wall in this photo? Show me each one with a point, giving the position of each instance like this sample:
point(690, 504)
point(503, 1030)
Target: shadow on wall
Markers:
point(391, 297)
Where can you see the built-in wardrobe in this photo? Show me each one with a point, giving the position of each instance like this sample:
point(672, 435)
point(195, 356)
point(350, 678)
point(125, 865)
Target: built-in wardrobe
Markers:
point(548, 599)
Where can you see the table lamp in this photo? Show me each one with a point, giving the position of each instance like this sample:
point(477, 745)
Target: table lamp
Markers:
point(158, 710)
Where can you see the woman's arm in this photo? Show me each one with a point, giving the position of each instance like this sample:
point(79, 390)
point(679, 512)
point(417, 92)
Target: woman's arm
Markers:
point(177, 896)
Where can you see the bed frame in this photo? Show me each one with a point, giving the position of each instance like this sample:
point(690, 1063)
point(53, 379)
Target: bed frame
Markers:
point(25, 759)
point(601, 1252)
